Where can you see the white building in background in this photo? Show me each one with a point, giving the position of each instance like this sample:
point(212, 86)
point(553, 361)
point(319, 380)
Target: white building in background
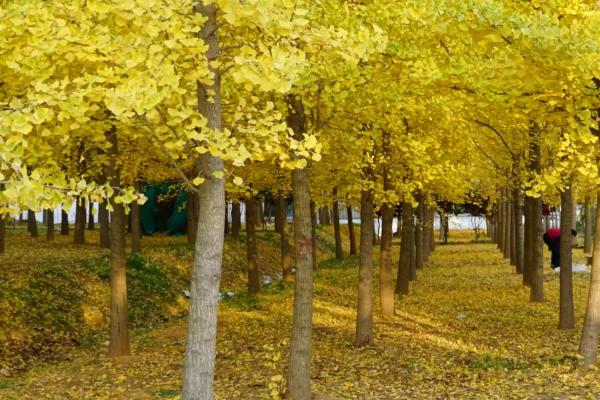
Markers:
point(457, 222)
point(39, 216)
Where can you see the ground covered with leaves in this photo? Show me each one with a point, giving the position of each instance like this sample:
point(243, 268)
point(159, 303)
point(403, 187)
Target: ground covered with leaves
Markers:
point(466, 330)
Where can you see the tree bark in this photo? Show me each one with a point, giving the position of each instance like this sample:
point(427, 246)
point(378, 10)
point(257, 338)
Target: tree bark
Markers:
point(513, 232)
point(518, 234)
point(327, 215)
point(364, 314)
point(313, 216)
point(500, 206)
point(3, 219)
point(49, 225)
point(444, 227)
point(251, 251)
point(351, 231)
point(136, 228)
point(286, 255)
point(506, 240)
point(413, 252)
point(64, 223)
point(301, 345)
point(192, 206)
point(90, 220)
point(104, 221)
point(32, 223)
point(119, 322)
point(567, 313)
point(427, 233)
point(588, 347)
point(527, 242)
point(280, 204)
point(200, 351)
point(226, 230)
point(236, 219)
point(587, 229)
point(419, 233)
point(386, 276)
point(537, 228)
point(537, 261)
point(432, 241)
point(376, 232)
point(260, 213)
point(405, 251)
point(80, 213)
point(339, 252)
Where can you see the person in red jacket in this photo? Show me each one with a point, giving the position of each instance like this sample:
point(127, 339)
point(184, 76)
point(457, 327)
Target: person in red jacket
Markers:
point(552, 239)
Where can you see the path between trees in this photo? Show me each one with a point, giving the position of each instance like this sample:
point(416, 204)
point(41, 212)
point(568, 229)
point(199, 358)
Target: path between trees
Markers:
point(467, 330)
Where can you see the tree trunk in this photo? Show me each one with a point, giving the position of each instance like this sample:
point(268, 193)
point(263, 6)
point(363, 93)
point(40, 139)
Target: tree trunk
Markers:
point(432, 241)
point(364, 314)
point(279, 212)
point(200, 350)
point(3, 219)
point(427, 234)
point(49, 225)
point(32, 224)
point(500, 206)
point(375, 233)
point(588, 347)
point(351, 231)
point(507, 219)
point(90, 220)
point(301, 345)
point(226, 229)
point(64, 223)
point(260, 213)
point(286, 255)
point(445, 227)
point(236, 219)
point(313, 216)
point(574, 205)
point(404, 262)
point(119, 325)
point(413, 252)
point(104, 221)
point(419, 229)
point(587, 229)
point(537, 261)
point(327, 215)
point(527, 242)
point(513, 233)
point(386, 277)
point(80, 213)
point(494, 226)
point(339, 252)
point(192, 207)
point(136, 228)
point(517, 226)
point(251, 251)
point(567, 314)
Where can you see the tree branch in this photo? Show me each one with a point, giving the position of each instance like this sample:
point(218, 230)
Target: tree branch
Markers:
point(171, 160)
point(485, 124)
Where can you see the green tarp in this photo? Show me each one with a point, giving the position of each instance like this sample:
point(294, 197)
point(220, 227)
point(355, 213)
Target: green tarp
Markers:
point(165, 209)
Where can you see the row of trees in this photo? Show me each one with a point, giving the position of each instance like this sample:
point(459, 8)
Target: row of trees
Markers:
point(376, 104)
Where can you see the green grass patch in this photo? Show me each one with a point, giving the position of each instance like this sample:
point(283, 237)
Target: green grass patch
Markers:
point(151, 286)
point(334, 263)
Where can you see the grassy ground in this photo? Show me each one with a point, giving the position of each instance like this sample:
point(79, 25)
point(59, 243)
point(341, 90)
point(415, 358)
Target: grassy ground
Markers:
point(466, 331)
